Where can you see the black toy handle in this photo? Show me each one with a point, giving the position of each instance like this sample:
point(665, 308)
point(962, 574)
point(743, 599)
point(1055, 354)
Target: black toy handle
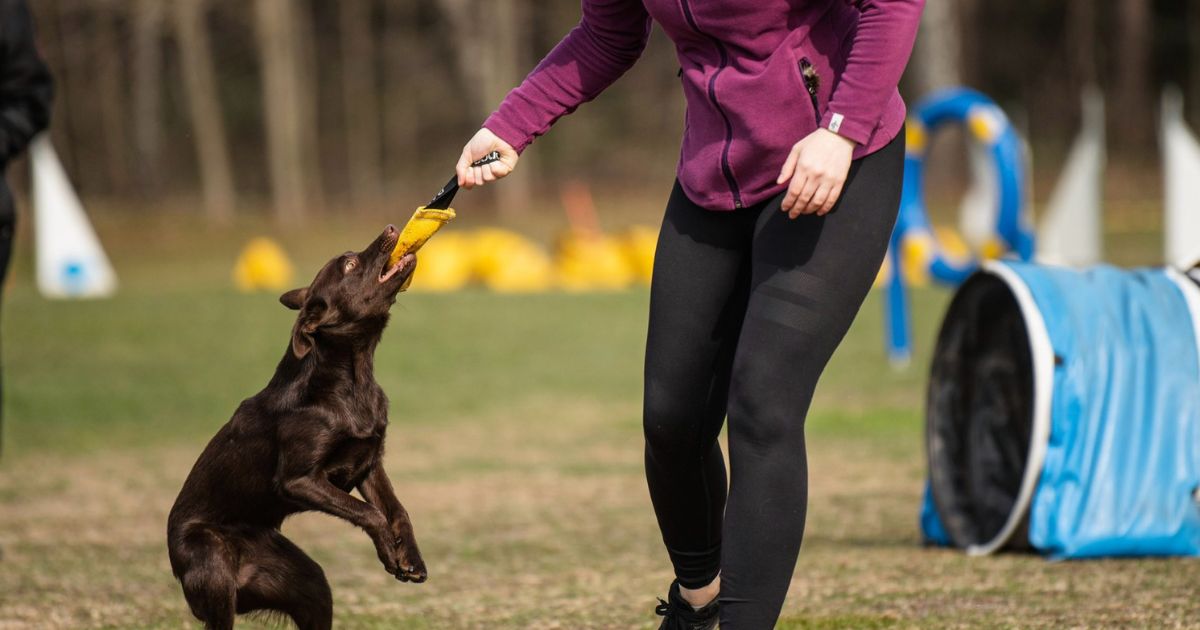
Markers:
point(442, 200)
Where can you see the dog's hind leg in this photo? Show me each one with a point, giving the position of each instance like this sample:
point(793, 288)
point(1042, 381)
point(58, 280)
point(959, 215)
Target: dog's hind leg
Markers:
point(276, 575)
point(208, 578)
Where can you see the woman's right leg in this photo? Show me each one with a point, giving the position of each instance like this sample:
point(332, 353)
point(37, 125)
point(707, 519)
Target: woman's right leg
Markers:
point(697, 299)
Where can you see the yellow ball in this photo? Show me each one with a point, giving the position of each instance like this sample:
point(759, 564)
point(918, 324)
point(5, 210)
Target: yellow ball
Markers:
point(527, 270)
point(488, 247)
point(262, 266)
point(640, 242)
point(592, 263)
point(444, 264)
point(507, 262)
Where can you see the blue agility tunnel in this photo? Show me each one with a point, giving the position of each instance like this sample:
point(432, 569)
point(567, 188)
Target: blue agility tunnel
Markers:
point(1063, 414)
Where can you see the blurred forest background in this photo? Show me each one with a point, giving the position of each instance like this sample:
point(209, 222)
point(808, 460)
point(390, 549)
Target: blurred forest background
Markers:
point(304, 107)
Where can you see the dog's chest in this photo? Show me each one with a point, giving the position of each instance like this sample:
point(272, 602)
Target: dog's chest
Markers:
point(362, 418)
point(353, 458)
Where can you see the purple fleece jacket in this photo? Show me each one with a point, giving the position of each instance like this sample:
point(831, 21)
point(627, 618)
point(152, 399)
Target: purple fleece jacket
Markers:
point(744, 78)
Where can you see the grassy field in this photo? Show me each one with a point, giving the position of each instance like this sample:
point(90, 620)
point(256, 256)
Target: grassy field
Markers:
point(515, 443)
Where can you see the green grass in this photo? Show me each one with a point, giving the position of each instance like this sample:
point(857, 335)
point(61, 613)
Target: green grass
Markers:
point(515, 443)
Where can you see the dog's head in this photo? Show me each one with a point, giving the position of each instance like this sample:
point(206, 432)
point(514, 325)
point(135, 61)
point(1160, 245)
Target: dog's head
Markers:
point(349, 299)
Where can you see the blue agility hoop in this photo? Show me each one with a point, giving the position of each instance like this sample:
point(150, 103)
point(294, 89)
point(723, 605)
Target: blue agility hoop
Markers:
point(990, 129)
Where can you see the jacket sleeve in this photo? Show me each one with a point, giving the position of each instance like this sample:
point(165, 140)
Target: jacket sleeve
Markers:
point(882, 45)
point(610, 37)
point(26, 89)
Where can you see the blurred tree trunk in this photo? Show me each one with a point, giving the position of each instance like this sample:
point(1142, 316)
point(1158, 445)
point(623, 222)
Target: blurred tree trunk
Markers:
point(464, 24)
point(936, 56)
point(110, 97)
point(361, 108)
point(75, 86)
point(304, 38)
point(939, 48)
point(503, 72)
point(281, 107)
point(489, 39)
point(54, 49)
point(1193, 36)
point(404, 50)
point(147, 19)
point(1081, 34)
point(1133, 112)
point(208, 127)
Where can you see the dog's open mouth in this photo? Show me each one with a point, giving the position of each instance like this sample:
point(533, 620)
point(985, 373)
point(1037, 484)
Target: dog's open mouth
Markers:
point(397, 269)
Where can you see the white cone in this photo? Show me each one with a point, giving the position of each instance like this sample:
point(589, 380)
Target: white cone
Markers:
point(1072, 231)
point(70, 261)
point(1181, 168)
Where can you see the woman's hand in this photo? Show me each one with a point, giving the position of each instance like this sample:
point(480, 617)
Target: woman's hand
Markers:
point(483, 143)
point(817, 167)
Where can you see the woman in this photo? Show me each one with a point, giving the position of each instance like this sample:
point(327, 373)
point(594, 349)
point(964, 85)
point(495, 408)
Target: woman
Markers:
point(787, 190)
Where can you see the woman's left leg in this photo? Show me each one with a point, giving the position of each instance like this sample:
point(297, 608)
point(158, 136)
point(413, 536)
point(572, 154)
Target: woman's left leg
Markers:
point(809, 278)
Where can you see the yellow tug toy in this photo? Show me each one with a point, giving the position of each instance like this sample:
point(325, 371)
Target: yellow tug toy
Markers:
point(423, 224)
point(430, 218)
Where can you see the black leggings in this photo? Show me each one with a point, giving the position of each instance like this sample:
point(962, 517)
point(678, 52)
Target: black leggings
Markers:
point(746, 308)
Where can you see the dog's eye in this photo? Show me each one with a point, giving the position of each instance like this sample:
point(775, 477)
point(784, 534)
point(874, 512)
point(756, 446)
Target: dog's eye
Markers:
point(349, 265)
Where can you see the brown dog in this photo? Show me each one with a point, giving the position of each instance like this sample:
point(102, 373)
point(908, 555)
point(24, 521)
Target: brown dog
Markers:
point(315, 433)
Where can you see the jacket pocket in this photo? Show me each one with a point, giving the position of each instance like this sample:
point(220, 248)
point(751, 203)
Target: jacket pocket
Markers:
point(812, 85)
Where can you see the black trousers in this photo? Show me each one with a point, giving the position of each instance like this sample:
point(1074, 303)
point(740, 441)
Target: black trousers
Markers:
point(746, 309)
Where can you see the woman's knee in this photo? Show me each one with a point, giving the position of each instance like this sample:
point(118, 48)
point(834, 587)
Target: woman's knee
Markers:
point(670, 421)
point(663, 424)
point(767, 415)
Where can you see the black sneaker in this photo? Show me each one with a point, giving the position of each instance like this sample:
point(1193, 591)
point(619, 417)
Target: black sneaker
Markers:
point(678, 614)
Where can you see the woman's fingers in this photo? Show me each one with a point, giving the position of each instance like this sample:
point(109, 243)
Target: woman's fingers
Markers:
point(818, 199)
point(804, 200)
point(482, 143)
point(811, 193)
point(817, 167)
point(831, 200)
point(463, 169)
point(793, 192)
point(789, 166)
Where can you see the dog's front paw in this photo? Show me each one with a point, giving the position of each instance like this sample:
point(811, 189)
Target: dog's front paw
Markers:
point(389, 557)
point(412, 566)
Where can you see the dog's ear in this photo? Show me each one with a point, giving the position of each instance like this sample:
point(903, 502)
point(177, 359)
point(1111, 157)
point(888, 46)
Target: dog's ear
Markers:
point(294, 299)
point(314, 314)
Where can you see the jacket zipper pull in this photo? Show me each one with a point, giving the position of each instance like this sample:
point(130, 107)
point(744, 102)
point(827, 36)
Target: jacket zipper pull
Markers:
point(812, 83)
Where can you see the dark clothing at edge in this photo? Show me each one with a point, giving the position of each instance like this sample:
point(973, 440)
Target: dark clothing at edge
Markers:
point(26, 91)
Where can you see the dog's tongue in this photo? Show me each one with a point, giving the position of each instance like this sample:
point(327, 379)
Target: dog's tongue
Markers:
point(396, 268)
point(391, 271)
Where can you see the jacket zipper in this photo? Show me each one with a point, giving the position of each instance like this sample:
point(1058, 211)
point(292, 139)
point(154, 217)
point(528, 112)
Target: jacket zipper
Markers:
point(712, 96)
point(812, 83)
